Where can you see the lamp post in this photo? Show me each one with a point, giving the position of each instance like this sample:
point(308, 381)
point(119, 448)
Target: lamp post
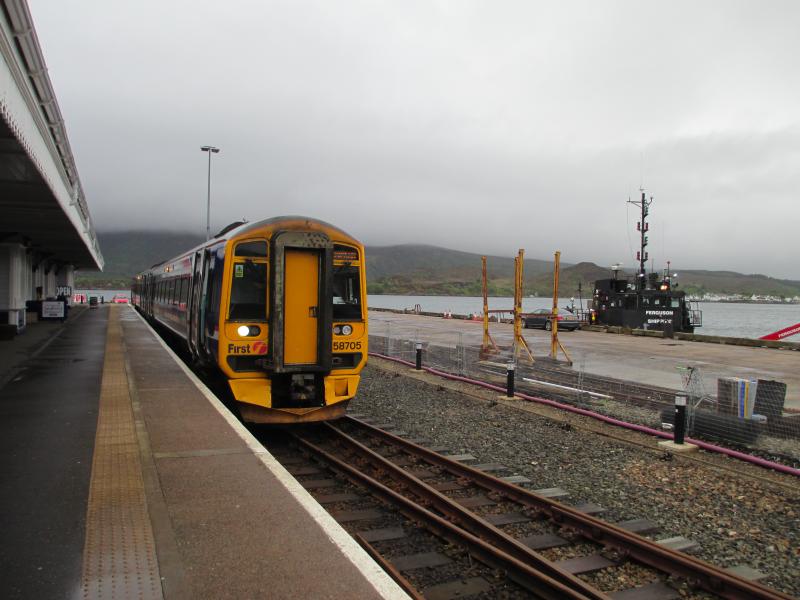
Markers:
point(211, 150)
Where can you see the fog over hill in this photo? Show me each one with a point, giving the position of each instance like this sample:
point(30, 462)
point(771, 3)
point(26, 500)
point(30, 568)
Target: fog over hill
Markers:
point(424, 269)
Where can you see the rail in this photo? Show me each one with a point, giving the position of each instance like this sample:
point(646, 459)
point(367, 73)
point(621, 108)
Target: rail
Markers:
point(709, 577)
point(543, 579)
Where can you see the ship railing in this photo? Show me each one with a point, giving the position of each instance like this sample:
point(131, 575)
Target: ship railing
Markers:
point(695, 315)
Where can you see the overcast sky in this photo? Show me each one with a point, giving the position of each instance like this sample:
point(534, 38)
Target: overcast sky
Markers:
point(480, 126)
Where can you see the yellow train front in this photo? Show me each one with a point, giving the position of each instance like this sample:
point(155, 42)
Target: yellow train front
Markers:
point(279, 307)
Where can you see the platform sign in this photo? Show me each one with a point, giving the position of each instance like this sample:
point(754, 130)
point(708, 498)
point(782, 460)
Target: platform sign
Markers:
point(52, 309)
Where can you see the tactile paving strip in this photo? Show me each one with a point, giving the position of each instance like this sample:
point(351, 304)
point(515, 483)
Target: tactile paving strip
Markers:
point(119, 557)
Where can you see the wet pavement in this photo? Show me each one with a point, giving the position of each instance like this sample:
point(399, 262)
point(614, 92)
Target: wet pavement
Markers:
point(224, 519)
point(48, 416)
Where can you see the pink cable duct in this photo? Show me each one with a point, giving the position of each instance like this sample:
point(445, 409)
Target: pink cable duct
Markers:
point(581, 411)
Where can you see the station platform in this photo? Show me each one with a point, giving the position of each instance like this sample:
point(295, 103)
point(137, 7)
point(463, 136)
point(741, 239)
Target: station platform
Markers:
point(123, 476)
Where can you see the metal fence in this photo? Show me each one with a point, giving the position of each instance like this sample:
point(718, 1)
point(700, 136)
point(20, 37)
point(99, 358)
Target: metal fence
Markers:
point(744, 413)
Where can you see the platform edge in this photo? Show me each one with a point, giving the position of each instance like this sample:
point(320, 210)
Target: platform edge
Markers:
point(383, 584)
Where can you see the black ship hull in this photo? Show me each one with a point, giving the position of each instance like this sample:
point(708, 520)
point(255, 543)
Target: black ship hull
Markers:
point(617, 303)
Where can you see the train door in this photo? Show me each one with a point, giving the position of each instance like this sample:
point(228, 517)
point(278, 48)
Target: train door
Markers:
point(149, 293)
point(301, 325)
point(301, 306)
point(196, 303)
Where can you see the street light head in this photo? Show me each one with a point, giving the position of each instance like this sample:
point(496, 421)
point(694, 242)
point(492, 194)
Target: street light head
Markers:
point(209, 149)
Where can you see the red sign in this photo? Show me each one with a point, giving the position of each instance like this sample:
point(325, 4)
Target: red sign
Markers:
point(783, 333)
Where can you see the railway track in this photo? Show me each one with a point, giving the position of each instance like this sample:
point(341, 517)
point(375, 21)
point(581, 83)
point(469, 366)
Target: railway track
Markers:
point(529, 544)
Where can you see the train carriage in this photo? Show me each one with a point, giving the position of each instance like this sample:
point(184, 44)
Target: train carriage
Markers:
point(278, 306)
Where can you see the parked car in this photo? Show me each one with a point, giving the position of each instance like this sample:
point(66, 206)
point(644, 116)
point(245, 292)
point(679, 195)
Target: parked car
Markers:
point(119, 299)
point(543, 319)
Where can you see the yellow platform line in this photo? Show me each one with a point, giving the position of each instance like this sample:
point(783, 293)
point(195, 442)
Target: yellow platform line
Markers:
point(119, 557)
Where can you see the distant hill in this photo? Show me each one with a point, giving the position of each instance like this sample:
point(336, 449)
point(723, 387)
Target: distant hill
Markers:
point(420, 269)
point(129, 252)
point(437, 271)
point(425, 270)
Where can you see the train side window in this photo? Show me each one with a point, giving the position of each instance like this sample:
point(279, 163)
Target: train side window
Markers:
point(346, 292)
point(249, 291)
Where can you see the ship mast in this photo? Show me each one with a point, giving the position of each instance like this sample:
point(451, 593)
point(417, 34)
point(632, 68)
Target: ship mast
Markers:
point(642, 226)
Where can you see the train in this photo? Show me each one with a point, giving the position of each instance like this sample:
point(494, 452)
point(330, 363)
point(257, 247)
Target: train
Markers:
point(278, 307)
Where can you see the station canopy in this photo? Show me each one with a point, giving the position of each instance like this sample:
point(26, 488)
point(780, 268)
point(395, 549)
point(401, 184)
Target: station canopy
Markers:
point(30, 212)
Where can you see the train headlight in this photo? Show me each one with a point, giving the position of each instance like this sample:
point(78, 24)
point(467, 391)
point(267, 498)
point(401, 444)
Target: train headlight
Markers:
point(346, 330)
point(248, 330)
point(337, 329)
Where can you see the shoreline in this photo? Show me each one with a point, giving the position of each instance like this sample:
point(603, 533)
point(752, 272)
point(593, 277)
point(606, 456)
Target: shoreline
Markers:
point(766, 302)
point(691, 337)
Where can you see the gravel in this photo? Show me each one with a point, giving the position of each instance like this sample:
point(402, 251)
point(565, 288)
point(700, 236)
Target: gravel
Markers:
point(736, 514)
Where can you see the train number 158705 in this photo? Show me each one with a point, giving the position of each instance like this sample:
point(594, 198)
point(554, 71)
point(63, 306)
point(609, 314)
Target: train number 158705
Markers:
point(342, 346)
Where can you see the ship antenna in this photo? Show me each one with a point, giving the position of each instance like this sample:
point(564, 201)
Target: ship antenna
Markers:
point(643, 227)
point(627, 222)
point(641, 170)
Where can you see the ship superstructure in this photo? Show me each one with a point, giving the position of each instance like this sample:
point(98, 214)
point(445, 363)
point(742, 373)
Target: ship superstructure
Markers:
point(645, 301)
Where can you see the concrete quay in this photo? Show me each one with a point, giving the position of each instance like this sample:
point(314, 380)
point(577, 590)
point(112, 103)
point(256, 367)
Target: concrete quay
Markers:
point(641, 359)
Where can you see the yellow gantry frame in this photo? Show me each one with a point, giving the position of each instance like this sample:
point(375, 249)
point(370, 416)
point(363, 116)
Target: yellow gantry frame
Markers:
point(555, 344)
point(519, 341)
point(488, 345)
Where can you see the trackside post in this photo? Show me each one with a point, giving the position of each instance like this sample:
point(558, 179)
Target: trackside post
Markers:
point(510, 380)
point(680, 418)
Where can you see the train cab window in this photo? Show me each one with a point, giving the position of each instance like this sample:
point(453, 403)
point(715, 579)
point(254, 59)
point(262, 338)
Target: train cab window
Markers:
point(252, 249)
point(346, 292)
point(249, 282)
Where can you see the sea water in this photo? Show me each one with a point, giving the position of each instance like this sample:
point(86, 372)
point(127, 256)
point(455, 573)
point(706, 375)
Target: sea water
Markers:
point(730, 319)
point(719, 318)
